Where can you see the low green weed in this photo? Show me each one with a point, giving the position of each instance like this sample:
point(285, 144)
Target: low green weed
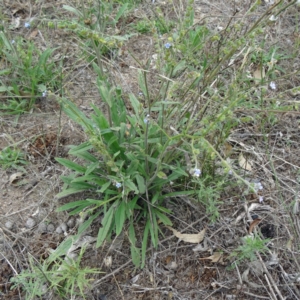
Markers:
point(63, 277)
point(12, 158)
point(28, 73)
point(251, 244)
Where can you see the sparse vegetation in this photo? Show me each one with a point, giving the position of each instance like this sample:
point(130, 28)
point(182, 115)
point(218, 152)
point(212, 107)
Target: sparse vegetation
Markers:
point(172, 118)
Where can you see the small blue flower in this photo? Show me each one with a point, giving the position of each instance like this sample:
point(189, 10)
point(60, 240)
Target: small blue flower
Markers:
point(27, 25)
point(12, 42)
point(44, 94)
point(168, 45)
point(118, 185)
point(197, 172)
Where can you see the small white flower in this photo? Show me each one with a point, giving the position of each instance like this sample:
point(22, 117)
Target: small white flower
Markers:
point(258, 186)
point(27, 25)
point(273, 18)
point(118, 185)
point(261, 199)
point(273, 85)
point(230, 172)
point(44, 94)
point(12, 41)
point(146, 120)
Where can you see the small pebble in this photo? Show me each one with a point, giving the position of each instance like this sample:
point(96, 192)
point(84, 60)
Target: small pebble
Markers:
point(30, 223)
point(59, 230)
point(42, 227)
point(64, 227)
point(71, 223)
point(9, 225)
point(50, 227)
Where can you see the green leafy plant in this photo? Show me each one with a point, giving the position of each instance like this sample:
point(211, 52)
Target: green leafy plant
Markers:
point(251, 245)
point(12, 158)
point(63, 277)
point(143, 26)
point(95, 25)
point(28, 74)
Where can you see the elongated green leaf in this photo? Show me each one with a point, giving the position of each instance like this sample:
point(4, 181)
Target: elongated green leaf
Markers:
point(135, 104)
point(154, 230)
point(106, 226)
point(76, 114)
point(72, 205)
point(163, 218)
point(80, 148)
point(86, 178)
point(91, 167)
point(62, 249)
point(141, 183)
point(71, 165)
point(135, 252)
point(120, 215)
point(87, 223)
point(121, 11)
point(145, 242)
point(105, 187)
point(70, 191)
point(131, 206)
point(77, 210)
point(181, 193)
point(87, 156)
point(129, 184)
point(73, 10)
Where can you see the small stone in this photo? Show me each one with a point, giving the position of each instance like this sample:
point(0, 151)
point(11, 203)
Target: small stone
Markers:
point(71, 223)
point(42, 227)
point(9, 225)
point(59, 230)
point(30, 223)
point(50, 227)
point(64, 227)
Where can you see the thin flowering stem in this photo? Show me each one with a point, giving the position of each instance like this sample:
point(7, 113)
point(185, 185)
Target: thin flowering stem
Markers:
point(146, 148)
point(147, 92)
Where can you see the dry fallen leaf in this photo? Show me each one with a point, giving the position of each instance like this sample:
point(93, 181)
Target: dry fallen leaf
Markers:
point(253, 224)
point(243, 163)
point(259, 73)
point(189, 238)
point(14, 177)
point(216, 257)
point(107, 261)
point(33, 34)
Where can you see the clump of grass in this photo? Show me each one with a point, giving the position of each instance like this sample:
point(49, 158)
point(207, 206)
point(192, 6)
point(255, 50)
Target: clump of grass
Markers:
point(62, 277)
point(12, 158)
point(28, 73)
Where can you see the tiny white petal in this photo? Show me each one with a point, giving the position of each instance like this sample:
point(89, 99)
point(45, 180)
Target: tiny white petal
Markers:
point(273, 85)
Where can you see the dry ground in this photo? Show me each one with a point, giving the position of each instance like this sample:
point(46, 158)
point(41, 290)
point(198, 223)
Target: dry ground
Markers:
point(175, 270)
